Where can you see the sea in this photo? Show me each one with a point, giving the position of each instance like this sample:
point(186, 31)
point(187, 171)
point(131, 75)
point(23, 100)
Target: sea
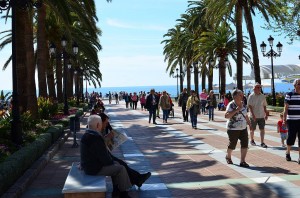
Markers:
point(172, 89)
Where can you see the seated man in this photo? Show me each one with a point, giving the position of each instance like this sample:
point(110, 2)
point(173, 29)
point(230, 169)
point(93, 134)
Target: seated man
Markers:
point(135, 177)
point(97, 160)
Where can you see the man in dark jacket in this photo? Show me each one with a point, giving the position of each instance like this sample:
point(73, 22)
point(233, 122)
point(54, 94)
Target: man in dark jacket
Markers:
point(152, 104)
point(96, 159)
point(182, 103)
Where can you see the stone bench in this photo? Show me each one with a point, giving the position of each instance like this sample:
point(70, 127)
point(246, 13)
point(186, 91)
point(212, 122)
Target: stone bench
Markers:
point(79, 185)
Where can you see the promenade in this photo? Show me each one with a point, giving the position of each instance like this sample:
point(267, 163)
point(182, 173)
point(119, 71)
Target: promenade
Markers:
point(184, 162)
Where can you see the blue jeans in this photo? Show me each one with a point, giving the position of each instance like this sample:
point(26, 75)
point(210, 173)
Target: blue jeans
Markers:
point(193, 118)
point(203, 104)
point(211, 112)
point(152, 113)
point(165, 114)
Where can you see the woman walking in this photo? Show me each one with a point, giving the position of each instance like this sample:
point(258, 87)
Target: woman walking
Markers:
point(236, 113)
point(164, 103)
point(212, 104)
point(193, 105)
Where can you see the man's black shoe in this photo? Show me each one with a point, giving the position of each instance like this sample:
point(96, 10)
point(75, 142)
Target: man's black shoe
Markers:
point(288, 157)
point(142, 179)
point(124, 194)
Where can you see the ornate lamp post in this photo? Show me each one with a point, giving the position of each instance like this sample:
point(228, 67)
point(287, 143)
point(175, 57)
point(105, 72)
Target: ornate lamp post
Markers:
point(177, 76)
point(16, 128)
point(67, 65)
point(272, 54)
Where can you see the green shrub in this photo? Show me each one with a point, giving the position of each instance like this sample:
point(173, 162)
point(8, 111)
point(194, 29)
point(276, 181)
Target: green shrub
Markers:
point(47, 108)
point(16, 164)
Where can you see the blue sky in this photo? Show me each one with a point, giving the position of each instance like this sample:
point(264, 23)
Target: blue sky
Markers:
point(131, 34)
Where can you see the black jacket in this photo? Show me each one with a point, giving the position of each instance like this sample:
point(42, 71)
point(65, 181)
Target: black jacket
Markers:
point(149, 100)
point(93, 152)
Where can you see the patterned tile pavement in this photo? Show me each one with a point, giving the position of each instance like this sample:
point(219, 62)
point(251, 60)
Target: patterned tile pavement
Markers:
point(184, 162)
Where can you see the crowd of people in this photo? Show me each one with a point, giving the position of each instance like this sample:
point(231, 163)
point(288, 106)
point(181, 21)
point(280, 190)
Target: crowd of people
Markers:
point(240, 112)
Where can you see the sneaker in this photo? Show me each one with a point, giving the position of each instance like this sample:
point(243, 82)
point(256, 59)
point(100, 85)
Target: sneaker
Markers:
point(253, 143)
point(283, 145)
point(264, 145)
point(288, 157)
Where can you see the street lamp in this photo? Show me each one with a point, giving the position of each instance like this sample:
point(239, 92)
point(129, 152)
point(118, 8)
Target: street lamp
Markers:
point(16, 127)
point(177, 76)
point(67, 65)
point(272, 54)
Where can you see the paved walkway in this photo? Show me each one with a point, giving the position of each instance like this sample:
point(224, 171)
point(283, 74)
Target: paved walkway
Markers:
point(184, 162)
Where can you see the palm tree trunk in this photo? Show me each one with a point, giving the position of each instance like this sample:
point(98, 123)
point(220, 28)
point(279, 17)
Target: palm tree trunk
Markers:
point(222, 73)
point(240, 45)
point(196, 80)
point(42, 58)
point(51, 82)
point(188, 78)
point(203, 83)
point(210, 79)
point(58, 74)
point(32, 105)
point(250, 27)
point(181, 77)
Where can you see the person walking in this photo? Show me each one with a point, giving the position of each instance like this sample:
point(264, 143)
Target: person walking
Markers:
point(203, 99)
point(143, 101)
point(257, 105)
point(282, 130)
point(291, 118)
point(193, 107)
point(164, 103)
point(152, 104)
point(211, 104)
point(134, 99)
point(236, 113)
point(183, 97)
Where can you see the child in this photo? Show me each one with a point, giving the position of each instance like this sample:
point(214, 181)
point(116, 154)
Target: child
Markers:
point(282, 130)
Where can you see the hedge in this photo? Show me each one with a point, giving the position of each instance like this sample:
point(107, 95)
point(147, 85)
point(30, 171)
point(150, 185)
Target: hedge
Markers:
point(16, 164)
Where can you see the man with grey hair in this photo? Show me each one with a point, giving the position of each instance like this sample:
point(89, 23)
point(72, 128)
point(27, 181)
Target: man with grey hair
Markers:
point(97, 160)
point(291, 118)
point(258, 113)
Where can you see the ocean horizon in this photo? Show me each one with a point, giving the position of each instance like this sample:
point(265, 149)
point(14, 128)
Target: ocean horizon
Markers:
point(172, 89)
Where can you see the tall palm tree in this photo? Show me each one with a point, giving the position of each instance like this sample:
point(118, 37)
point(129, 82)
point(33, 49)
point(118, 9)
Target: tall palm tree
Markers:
point(217, 45)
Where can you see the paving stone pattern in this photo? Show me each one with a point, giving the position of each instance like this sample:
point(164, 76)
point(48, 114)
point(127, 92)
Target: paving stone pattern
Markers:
point(184, 162)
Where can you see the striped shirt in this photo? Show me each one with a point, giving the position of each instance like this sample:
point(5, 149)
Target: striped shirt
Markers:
point(293, 100)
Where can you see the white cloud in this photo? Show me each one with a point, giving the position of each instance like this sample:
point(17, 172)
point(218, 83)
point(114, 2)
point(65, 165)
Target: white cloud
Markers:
point(121, 24)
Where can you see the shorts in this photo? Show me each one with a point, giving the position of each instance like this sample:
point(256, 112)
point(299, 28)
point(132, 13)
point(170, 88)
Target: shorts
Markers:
point(259, 121)
point(283, 136)
point(293, 132)
point(235, 135)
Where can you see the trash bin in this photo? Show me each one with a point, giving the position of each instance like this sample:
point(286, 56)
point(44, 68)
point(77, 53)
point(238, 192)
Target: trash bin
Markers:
point(74, 123)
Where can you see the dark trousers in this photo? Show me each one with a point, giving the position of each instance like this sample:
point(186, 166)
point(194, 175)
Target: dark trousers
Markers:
point(133, 174)
point(134, 104)
point(152, 113)
point(185, 113)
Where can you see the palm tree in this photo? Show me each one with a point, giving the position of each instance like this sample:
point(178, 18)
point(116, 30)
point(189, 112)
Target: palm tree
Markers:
point(217, 45)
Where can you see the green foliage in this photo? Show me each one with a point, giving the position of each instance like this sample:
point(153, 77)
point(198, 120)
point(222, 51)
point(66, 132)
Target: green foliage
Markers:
point(72, 102)
point(17, 163)
point(46, 108)
point(280, 100)
point(269, 99)
point(5, 97)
